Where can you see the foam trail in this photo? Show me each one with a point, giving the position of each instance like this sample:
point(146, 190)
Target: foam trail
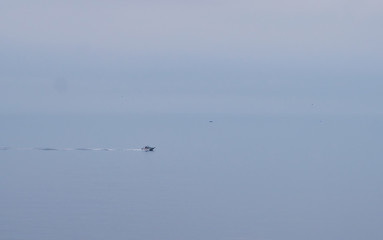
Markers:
point(22, 149)
point(71, 149)
point(83, 149)
point(132, 149)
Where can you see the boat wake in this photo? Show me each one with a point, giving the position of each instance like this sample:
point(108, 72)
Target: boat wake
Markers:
point(69, 149)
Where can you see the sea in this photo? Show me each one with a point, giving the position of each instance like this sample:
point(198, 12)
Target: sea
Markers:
point(211, 177)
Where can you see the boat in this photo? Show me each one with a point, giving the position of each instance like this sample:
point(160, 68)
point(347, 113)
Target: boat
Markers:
point(148, 149)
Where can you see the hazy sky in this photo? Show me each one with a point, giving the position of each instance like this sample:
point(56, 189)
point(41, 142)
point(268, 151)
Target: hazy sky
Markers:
point(259, 177)
point(199, 57)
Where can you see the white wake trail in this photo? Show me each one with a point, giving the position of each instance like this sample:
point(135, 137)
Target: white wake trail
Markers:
point(69, 149)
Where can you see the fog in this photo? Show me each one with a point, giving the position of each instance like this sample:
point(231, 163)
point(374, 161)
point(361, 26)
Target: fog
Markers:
point(266, 118)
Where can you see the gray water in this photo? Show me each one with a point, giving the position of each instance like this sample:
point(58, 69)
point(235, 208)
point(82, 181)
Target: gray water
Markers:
point(238, 177)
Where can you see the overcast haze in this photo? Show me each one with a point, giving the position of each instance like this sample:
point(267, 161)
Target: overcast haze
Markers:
point(266, 117)
point(203, 56)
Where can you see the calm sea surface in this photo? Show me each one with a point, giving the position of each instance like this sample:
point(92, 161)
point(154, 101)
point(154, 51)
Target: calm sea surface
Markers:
point(238, 177)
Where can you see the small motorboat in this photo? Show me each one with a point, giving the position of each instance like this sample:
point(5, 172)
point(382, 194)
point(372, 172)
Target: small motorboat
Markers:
point(148, 149)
